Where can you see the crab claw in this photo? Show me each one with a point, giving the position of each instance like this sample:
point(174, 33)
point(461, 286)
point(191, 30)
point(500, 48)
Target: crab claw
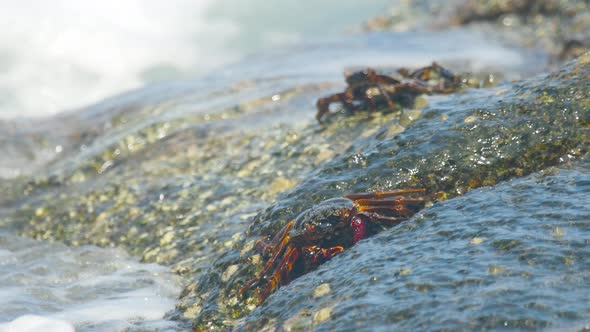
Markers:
point(359, 228)
point(318, 255)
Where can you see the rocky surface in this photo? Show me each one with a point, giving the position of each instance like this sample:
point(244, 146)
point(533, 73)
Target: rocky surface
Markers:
point(193, 178)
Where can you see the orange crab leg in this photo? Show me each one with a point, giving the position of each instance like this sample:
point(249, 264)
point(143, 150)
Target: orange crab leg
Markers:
point(283, 270)
point(268, 248)
point(401, 210)
point(285, 241)
point(386, 202)
point(379, 194)
point(285, 267)
point(315, 253)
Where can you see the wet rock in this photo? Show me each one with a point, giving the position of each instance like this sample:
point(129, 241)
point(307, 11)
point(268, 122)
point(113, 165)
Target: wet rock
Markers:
point(526, 128)
point(476, 241)
point(559, 28)
point(322, 315)
point(453, 283)
point(321, 290)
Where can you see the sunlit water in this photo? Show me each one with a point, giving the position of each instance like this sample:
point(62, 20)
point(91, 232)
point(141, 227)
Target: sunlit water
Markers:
point(89, 288)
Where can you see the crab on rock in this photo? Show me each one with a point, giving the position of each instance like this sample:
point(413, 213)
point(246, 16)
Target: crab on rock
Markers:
point(325, 230)
point(367, 89)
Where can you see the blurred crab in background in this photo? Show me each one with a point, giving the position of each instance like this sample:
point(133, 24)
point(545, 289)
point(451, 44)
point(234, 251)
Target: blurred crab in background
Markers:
point(368, 90)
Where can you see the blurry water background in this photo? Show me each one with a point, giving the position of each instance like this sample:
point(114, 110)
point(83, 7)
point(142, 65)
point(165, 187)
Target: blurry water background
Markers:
point(67, 54)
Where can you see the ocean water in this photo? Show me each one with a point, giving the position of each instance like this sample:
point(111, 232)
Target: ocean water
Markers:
point(65, 54)
point(53, 287)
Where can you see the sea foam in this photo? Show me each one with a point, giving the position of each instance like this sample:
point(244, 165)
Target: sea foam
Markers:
point(46, 286)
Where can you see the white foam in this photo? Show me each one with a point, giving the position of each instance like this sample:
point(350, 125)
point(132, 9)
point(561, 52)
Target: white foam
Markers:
point(33, 323)
point(43, 285)
point(63, 54)
point(144, 303)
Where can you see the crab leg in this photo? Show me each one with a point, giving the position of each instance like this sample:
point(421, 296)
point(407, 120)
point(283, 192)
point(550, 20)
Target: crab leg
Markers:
point(317, 255)
point(372, 102)
point(425, 73)
point(401, 210)
point(283, 270)
point(384, 79)
point(373, 77)
point(267, 248)
point(323, 104)
point(392, 106)
point(386, 202)
point(347, 98)
point(398, 206)
point(379, 194)
point(413, 87)
point(285, 241)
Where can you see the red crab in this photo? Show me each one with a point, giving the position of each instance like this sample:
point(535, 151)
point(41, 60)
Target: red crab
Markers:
point(367, 89)
point(359, 83)
point(324, 231)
